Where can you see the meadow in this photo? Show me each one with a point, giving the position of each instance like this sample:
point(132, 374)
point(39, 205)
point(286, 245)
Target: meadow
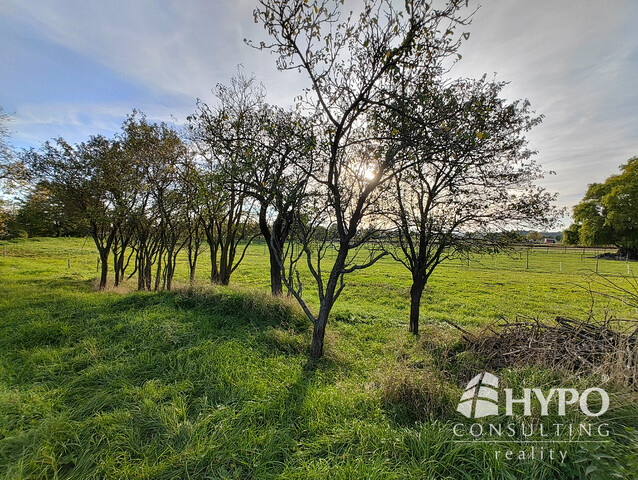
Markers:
point(215, 382)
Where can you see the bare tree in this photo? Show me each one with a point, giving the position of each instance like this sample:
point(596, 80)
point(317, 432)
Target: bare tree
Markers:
point(351, 63)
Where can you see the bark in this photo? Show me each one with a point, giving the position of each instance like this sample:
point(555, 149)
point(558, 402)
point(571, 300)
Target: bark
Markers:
point(192, 271)
point(328, 301)
point(158, 271)
point(416, 292)
point(170, 270)
point(318, 335)
point(276, 287)
point(104, 261)
point(193, 253)
point(213, 247)
point(140, 269)
point(275, 274)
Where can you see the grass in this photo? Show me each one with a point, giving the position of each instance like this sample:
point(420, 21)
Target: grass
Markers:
point(215, 382)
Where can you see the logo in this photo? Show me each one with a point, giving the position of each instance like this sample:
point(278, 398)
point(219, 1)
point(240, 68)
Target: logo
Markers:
point(536, 438)
point(480, 397)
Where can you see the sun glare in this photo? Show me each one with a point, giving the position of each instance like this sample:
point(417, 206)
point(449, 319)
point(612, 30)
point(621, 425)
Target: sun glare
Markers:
point(370, 173)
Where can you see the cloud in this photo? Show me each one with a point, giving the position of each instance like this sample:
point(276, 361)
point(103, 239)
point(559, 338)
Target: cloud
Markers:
point(76, 122)
point(174, 47)
point(577, 62)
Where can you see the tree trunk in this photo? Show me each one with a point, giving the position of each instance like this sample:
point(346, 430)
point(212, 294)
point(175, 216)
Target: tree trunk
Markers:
point(193, 252)
point(192, 272)
point(141, 269)
point(104, 261)
point(275, 268)
point(158, 272)
point(116, 268)
point(318, 335)
point(116, 257)
point(169, 270)
point(275, 273)
point(416, 292)
point(214, 270)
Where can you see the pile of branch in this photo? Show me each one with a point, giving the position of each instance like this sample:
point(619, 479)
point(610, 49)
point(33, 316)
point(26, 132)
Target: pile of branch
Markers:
point(609, 347)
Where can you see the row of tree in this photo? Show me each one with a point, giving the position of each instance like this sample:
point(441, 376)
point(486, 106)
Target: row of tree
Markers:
point(382, 156)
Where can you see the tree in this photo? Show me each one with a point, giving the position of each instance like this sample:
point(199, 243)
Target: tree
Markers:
point(350, 64)
point(225, 137)
point(41, 214)
point(472, 178)
point(84, 179)
point(192, 213)
point(608, 214)
point(12, 168)
point(266, 156)
point(278, 178)
point(534, 237)
point(157, 155)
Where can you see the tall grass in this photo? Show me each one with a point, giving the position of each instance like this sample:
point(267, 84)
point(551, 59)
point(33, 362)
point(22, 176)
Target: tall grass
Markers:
point(215, 382)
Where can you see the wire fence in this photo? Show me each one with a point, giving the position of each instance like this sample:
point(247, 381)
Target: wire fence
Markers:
point(555, 259)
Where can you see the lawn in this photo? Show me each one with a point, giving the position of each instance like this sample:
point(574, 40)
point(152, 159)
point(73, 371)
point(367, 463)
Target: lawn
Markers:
point(215, 382)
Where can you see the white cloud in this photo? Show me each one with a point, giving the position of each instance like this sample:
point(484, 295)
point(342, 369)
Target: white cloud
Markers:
point(576, 61)
point(175, 47)
point(573, 60)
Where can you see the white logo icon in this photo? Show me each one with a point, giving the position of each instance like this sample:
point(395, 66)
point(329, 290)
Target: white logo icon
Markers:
point(480, 397)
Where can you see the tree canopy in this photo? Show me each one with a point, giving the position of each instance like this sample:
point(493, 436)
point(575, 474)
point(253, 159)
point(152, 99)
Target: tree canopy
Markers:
point(608, 214)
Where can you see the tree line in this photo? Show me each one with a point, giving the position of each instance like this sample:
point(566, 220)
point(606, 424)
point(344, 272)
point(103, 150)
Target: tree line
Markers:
point(384, 155)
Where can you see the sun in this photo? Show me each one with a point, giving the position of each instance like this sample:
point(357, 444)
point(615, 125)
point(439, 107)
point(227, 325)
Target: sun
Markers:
point(369, 173)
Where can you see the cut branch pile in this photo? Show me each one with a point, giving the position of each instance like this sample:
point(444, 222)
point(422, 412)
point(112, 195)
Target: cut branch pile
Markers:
point(608, 347)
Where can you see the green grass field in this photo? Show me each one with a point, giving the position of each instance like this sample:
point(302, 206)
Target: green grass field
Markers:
point(214, 382)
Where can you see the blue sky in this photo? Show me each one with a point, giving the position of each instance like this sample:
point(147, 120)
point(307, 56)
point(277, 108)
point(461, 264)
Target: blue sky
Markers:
point(74, 68)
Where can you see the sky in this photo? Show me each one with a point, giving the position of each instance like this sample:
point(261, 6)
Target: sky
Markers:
point(75, 68)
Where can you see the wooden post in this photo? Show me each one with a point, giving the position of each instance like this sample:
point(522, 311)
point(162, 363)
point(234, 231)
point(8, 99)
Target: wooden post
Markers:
point(527, 266)
point(68, 263)
point(596, 261)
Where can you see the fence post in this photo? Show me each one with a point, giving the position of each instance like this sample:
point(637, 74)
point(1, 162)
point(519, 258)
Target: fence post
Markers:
point(596, 261)
point(527, 265)
point(68, 263)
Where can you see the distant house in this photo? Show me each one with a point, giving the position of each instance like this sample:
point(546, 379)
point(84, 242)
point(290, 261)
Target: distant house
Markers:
point(550, 240)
